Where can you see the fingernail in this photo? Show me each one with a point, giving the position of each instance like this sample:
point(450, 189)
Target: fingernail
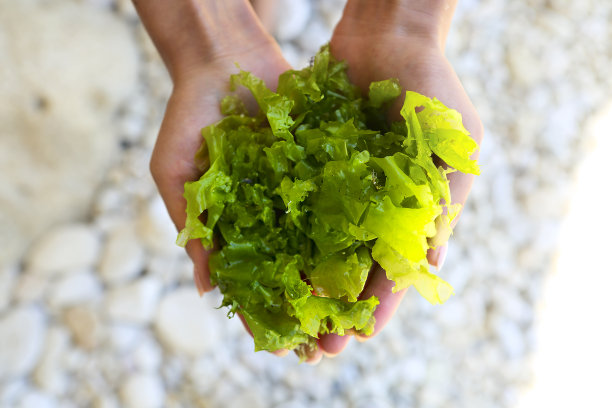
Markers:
point(361, 339)
point(441, 256)
point(329, 355)
point(198, 282)
point(315, 361)
point(281, 352)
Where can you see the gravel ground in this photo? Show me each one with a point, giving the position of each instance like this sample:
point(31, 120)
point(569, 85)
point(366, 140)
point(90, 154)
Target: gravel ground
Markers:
point(97, 305)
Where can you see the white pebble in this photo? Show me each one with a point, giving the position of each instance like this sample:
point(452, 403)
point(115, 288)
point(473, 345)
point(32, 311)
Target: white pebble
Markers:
point(453, 315)
point(123, 256)
point(331, 11)
point(64, 249)
point(104, 4)
point(143, 391)
point(314, 36)
point(30, 287)
point(132, 127)
point(8, 278)
point(12, 390)
point(21, 340)
point(124, 337)
point(201, 371)
point(106, 401)
point(134, 303)
point(50, 373)
point(292, 18)
point(75, 288)
point(85, 326)
point(292, 55)
point(511, 337)
point(109, 200)
point(240, 376)
point(147, 355)
point(525, 65)
point(512, 305)
point(36, 399)
point(186, 324)
point(248, 399)
point(547, 201)
point(126, 9)
point(156, 229)
point(414, 369)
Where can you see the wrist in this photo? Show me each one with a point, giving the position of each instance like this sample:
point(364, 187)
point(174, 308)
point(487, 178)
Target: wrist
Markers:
point(425, 21)
point(192, 34)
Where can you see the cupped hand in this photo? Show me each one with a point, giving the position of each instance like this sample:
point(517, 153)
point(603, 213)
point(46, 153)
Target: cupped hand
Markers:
point(405, 43)
point(194, 103)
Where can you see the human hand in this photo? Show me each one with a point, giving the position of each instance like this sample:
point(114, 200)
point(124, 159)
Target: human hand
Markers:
point(405, 40)
point(200, 49)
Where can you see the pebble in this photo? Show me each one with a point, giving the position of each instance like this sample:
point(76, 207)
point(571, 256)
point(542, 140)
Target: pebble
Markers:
point(547, 202)
point(8, 279)
point(104, 4)
point(58, 131)
point(453, 315)
point(50, 373)
point(85, 326)
point(314, 36)
point(147, 355)
point(249, 399)
point(293, 17)
point(64, 249)
point(21, 340)
point(171, 270)
point(73, 289)
point(293, 56)
point(186, 324)
point(123, 256)
point(331, 11)
point(142, 391)
point(126, 9)
point(106, 401)
point(12, 390)
point(511, 338)
point(109, 200)
point(414, 370)
point(156, 230)
point(36, 399)
point(134, 303)
point(132, 127)
point(124, 337)
point(201, 371)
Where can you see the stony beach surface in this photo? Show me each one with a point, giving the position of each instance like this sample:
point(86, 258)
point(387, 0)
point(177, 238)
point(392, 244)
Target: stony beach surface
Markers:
point(97, 304)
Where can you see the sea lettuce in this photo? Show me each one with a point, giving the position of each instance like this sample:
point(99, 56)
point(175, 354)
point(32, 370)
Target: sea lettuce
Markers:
point(302, 198)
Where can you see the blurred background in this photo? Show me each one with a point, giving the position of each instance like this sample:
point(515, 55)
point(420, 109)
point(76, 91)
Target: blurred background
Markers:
point(97, 304)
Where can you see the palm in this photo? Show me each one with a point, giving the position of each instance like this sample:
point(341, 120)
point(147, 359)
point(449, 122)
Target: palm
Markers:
point(194, 104)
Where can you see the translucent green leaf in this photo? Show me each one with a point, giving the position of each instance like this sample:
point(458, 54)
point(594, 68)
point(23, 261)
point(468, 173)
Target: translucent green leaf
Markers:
point(342, 275)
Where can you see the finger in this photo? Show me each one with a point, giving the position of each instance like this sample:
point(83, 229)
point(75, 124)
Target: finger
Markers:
point(437, 256)
point(172, 194)
point(311, 356)
point(315, 357)
point(331, 344)
point(378, 285)
point(201, 274)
